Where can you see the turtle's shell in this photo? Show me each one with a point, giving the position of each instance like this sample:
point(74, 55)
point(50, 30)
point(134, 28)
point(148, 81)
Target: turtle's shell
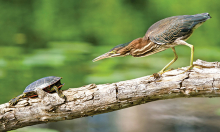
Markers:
point(44, 83)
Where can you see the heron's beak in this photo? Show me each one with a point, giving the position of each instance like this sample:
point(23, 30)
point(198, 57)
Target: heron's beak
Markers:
point(106, 55)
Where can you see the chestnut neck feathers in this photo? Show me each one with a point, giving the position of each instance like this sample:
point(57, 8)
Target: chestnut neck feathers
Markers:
point(138, 48)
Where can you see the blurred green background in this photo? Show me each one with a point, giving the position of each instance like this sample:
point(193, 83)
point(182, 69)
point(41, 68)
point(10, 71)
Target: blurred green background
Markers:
point(41, 38)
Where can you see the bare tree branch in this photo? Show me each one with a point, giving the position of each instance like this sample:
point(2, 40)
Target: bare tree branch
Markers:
point(202, 81)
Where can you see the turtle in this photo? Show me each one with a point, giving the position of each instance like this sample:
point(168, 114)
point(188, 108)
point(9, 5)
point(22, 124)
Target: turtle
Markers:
point(48, 84)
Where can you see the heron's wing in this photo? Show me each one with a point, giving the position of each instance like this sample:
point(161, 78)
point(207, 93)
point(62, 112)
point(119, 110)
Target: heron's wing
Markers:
point(169, 29)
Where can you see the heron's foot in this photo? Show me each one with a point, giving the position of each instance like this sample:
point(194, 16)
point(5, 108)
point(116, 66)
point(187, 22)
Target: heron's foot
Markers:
point(163, 71)
point(156, 75)
point(199, 67)
point(168, 70)
point(189, 68)
point(159, 74)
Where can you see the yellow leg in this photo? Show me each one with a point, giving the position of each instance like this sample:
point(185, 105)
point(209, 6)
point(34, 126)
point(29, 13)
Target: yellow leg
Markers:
point(169, 64)
point(182, 42)
point(192, 53)
point(61, 95)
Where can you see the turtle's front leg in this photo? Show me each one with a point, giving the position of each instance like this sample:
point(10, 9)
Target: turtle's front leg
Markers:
point(61, 95)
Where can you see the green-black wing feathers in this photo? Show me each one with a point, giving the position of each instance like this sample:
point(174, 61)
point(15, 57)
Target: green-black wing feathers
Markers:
point(169, 29)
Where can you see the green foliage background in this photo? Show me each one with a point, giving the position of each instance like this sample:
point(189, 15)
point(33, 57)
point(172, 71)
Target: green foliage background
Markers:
point(41, 38)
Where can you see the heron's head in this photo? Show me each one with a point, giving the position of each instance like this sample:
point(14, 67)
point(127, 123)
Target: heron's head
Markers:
point(117, 51)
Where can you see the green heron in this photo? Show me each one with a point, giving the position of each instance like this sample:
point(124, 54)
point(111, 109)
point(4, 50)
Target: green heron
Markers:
point(164, 34)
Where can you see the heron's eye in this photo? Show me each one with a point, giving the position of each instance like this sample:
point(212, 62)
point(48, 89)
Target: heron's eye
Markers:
point(113, 52)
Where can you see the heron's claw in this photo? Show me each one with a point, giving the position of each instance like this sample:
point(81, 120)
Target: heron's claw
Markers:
point(189, 68)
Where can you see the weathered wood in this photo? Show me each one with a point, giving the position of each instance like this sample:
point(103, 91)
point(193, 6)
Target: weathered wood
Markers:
point(202, 81)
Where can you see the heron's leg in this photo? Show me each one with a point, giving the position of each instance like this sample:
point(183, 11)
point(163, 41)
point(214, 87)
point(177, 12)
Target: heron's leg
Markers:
point(192, 52)
point(169, 64)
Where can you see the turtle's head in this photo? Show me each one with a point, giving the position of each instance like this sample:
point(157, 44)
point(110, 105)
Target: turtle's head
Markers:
point(15, 100)
point(12, 101)
point(119, 50)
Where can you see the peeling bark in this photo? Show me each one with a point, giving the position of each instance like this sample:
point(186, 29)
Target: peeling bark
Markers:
point(202, 81)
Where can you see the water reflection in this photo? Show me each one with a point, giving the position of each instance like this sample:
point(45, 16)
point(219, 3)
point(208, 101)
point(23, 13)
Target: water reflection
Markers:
point(179, 115)
point(174, 115)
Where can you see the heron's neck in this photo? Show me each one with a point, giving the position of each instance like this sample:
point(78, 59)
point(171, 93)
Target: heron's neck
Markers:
point(142, 47)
